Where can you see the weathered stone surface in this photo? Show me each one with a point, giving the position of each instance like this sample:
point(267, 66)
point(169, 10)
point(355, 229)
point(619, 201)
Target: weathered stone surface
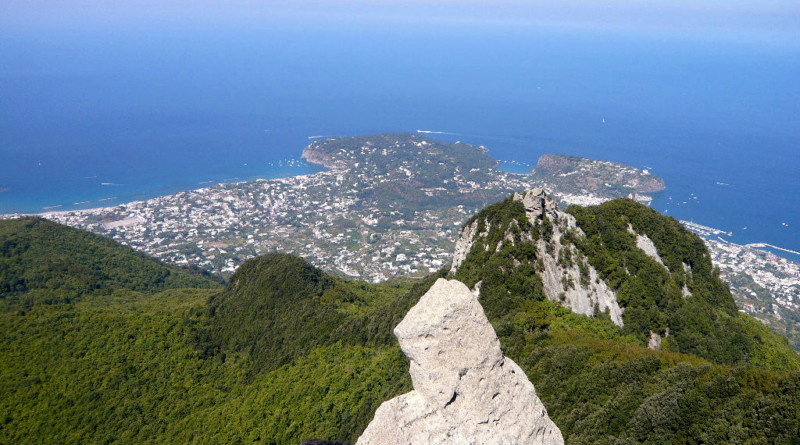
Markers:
point(537, 203)
point(687, 269)
point(465, 390)
point(644, 243)
point(463, 244)
point(654, 342)
point(562, 282)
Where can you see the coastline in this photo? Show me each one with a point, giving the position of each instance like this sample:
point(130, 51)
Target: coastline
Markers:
point(330, 218)
point(311, 161)
point(585, 200)
point(157, 193)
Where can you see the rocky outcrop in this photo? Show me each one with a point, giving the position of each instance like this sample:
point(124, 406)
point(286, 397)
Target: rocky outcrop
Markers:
point(573, 282)
point(316, 154)
point(464, 244)
point(538, 204)
point(645, 244)
point(567, 276)
point(655, 341)
point(687, 269)
point(465, 390)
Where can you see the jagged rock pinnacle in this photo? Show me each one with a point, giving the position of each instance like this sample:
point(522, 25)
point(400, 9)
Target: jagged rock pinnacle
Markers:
point(537, 203)
point(465, 390)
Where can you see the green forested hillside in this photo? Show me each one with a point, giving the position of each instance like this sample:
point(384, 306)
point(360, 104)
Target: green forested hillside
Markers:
point(285, 352)
point(44, 262)
point(278, 308)
point(706, 324)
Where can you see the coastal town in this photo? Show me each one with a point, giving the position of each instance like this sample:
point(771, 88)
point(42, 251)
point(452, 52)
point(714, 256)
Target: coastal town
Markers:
point(367, 216)
point(763, 284)
point(219, 227)
point(386, 206)
point(392, 205)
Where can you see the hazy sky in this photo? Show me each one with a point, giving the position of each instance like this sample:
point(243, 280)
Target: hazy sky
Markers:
point(698, 15)
point(760, 21)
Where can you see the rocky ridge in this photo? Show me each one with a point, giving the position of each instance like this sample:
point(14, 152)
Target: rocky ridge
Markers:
point(465, 390)
point(567, 277)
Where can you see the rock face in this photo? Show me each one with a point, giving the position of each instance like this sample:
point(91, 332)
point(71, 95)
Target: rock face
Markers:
point(463, 244)
point(647, 246)
point(574, 283)
point(465, 390)
point(654, 342)
point(563, 281)
point(538, 204)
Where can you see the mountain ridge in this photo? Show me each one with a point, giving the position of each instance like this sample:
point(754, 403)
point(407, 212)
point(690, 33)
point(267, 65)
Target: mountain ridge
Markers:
point(589, 259)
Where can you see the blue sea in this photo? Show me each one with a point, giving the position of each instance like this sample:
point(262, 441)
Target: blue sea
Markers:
point(103, 115)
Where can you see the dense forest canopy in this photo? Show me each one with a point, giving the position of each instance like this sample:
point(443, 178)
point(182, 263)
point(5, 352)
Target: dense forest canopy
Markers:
point(45, 262)
point(115, 347)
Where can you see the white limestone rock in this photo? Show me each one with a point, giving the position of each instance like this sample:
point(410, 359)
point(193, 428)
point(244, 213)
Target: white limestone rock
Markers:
point(469, 236)
point(687, 269)
point(465, 390)
point(537, 203)
point(645, 244)
point(655, 341)
point(464, 244)
point(581, 296)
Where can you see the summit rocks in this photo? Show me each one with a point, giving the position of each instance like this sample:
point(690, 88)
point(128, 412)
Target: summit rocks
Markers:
point(567, 277)
point(561, 280)
point(465, 390)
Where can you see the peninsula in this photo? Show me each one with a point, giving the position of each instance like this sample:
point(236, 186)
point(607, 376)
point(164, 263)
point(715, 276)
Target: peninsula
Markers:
point(391, 205)
point(582, 181)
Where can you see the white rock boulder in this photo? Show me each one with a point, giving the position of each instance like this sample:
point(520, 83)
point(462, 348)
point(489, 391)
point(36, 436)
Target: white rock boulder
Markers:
point(465, 390)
